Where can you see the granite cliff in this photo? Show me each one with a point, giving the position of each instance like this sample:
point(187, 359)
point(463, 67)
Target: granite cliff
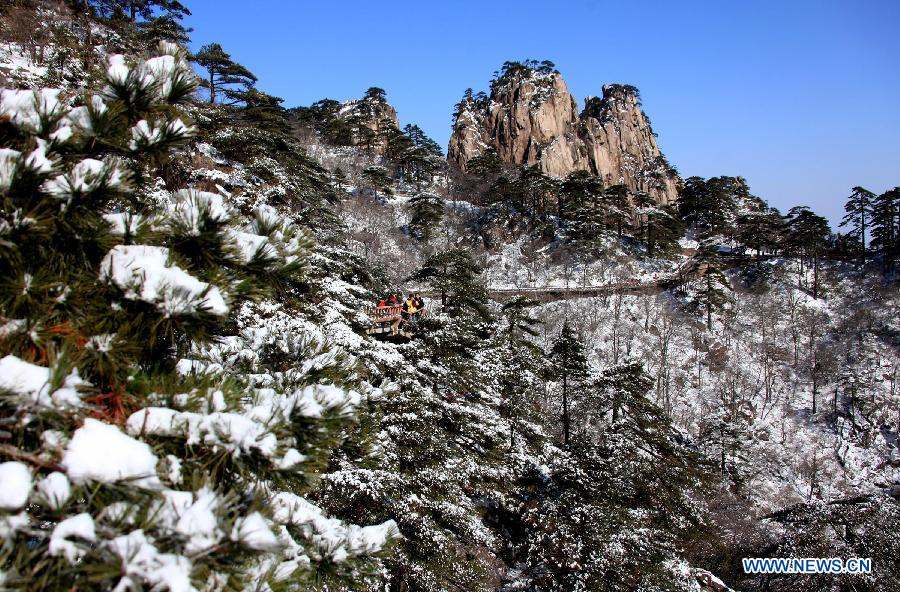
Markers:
point(530, 117)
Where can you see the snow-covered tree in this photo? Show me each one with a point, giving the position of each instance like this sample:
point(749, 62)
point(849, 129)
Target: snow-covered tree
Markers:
point(426, 213)
point(567, 367)
point(859, 217)
point(128, 464)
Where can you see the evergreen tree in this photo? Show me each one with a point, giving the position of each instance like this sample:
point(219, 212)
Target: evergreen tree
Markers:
point(583, 209)
point(223, 73)
point(374, 93)
point(108, 446)
point(520, 324)
point(150, 21)
point(708, 204)
point(618, 206)
point(378, 179)
point(261, 110)
point(567, 365)
point(614, 512)
point(462, 324)
point(858, 217)
point(761, 231)
point(426, 213)
point(487, 166)
point(519, 361)
point(416, 156)
point(808, 236)
point(861, 526)
point(421, 140)
point(885, 224)
point(536, 191)
point(711, 292)
point(662, 229)
point(455, 276)
point(323, 117)
point(724, 432)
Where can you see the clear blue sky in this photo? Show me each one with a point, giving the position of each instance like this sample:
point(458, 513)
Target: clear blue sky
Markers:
point(802, 98)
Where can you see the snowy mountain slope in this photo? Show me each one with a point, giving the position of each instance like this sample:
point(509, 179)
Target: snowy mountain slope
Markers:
point(449, 452)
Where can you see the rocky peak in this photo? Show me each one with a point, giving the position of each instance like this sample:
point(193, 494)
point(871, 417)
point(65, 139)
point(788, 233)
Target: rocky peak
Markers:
point(370, 118)
point(531, 118)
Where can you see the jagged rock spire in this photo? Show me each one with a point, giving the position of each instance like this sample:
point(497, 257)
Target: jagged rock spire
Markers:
point(530, 117)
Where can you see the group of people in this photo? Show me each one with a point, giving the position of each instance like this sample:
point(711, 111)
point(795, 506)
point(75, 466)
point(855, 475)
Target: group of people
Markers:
point(413, 302)
point(408, 307)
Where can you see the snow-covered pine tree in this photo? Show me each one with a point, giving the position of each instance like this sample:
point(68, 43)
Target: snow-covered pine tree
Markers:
point(859, 218)
point(122, 468)
point(862, 526)
point(567, 368)
point(585, 212)
point(615, 509)
point(520, 363)
point(885, 225)
point(711, 288)
point(619, 210)
point(426, 213)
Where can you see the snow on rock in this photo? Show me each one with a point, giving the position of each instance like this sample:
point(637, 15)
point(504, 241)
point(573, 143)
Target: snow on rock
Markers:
point(81, 526)
point(101, 452)
point(144, 273)
point(331, 536)
point(14, 58)
point(54, 490)
point(15, 485)
point(33, 384)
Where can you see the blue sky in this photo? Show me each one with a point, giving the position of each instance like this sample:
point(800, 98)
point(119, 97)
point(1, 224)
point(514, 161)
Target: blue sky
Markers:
point(801, 98)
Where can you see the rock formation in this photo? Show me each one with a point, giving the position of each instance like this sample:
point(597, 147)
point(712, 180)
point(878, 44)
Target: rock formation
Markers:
point(531, 118)
point(370, 118)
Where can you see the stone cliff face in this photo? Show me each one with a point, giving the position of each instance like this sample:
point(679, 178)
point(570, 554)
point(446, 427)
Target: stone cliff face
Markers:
point(531, 118)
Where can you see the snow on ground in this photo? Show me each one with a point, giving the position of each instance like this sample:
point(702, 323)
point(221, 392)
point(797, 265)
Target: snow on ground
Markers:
point(745, 369)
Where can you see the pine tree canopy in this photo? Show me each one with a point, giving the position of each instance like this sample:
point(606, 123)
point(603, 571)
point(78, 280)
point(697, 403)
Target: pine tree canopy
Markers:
point(223, 73)
point(126, 469)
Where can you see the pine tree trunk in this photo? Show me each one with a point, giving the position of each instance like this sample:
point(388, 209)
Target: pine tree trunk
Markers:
point(816, 275)
point(722, 436)
point(615, 407)
point(565, 403)
point(862, 237)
